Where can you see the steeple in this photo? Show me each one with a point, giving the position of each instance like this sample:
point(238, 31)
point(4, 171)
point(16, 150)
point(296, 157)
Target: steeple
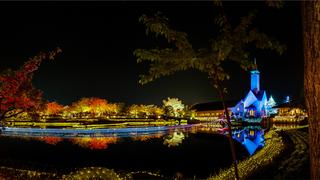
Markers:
point(255, 78)
point(255, 64)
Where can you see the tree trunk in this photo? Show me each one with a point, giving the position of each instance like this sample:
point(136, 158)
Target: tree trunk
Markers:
point(311, 38)
point(233, 150)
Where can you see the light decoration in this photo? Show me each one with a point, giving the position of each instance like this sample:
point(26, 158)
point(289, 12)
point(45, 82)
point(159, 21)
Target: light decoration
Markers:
point(83, 173)
point(255, 80)
point(270, 104)
point(263, 158)
point(92, 173)
point(287, 99)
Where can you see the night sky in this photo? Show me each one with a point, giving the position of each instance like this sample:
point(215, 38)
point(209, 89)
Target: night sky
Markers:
point(98, 40)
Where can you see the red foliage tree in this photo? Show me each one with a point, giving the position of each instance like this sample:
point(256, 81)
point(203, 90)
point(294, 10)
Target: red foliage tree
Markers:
point(17, 94)
point(53, 108)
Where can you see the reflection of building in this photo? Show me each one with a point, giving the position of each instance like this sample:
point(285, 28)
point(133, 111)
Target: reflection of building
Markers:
point(251, 139)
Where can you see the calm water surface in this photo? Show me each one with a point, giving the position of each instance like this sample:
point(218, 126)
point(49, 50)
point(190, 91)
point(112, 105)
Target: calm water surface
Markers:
point(188, 150)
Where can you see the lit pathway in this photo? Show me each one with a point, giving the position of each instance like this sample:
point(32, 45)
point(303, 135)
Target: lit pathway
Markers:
point(291, 167)
point(293, 162)
point(261, 160)
point(285, 156)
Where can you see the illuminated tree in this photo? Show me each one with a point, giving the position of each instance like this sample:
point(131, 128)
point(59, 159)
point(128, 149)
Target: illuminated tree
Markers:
point(133, 110)
point(68, 112)
point(17, 94)
point(270, 104)
point(53, 109)
point(145, 110)
point(113, 108)
point(94, 107)
point(175, 105)
point(188, 112)
point(81, 107)
point(231, 44)
point(157, 111)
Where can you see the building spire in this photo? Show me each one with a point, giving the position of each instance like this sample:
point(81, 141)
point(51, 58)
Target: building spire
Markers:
point(255, 63)
point(255, 77)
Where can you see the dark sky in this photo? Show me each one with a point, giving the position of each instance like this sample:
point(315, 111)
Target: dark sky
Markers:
point(98, 39)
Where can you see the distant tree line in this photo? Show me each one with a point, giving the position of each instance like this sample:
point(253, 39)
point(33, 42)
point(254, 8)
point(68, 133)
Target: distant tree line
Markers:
point(20, 100)
point(94, 107)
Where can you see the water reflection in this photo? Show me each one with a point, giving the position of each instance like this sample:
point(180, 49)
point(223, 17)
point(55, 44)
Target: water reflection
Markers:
point(93, 143)
point(96, 143)
point(174, 139)
point(108, 132)
point(252, 138)
point(137, 137)
point(51, 140)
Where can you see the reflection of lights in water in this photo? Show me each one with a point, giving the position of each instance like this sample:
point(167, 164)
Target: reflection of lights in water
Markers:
point(251, 132)
point(251, 139)
point(51, 140)
point(95, 143)
point(147, 137)
point(175, 139)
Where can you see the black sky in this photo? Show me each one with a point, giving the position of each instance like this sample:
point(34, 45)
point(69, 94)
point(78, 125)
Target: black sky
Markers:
point(98, 38)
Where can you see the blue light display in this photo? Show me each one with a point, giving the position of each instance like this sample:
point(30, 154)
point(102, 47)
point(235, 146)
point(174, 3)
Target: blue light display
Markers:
point(254, 104)
point(251, 139)
point(255, 80)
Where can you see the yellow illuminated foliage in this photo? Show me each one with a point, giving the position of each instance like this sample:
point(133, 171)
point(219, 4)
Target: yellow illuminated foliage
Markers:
point(94, 107)
point(174, 139)
point(175, 105)
point(145, 110)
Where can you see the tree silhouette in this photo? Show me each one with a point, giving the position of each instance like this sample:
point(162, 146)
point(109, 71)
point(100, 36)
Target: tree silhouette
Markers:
point(231, 44)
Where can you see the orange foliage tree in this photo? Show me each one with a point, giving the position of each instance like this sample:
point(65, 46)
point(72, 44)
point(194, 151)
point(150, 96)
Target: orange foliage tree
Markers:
point(17, 94)
point(53, 109)
point(94, 107)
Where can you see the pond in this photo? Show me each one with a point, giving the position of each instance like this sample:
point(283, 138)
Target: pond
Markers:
point(187, 151)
